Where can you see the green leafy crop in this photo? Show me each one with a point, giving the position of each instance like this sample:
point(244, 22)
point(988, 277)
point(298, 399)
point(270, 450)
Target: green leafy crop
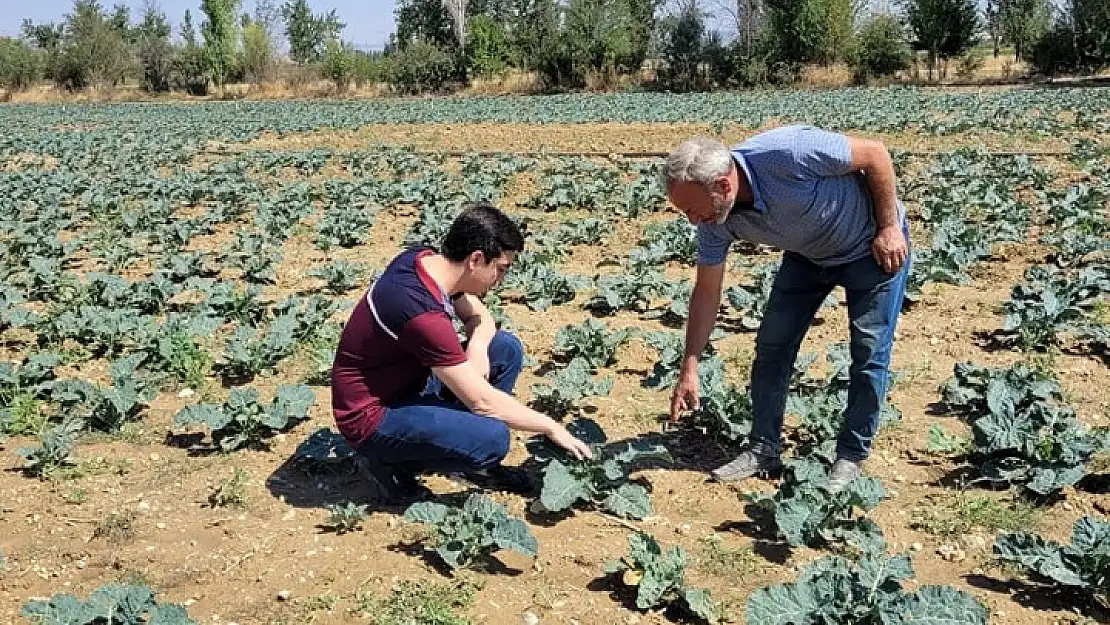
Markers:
point(659, 578)
point(243, 421)
point(475, 530)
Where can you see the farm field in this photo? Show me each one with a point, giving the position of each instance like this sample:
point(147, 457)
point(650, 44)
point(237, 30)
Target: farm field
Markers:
point(159, 260)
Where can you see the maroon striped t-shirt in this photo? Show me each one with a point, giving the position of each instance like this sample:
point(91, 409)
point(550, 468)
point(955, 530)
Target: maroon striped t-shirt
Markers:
point(398, 331)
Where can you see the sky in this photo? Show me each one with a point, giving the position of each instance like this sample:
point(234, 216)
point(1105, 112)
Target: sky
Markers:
point(369, 22)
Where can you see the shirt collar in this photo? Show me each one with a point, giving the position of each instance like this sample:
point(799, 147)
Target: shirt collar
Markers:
point(757, 198)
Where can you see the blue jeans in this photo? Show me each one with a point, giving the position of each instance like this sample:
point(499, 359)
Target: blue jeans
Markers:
point(874, 301)
point(427, 433)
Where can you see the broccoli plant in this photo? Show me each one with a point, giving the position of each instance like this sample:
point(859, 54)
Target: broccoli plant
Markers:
point(255, 257)
point(820, 402)
point(563, 390)
point(1023, 433)
point(174, 350)
point(1083, 566)
point(343, 519)
point(866, 592)
point(633, 289)
point(111, 604)
point(659, 578)
point(343, 226)
point(123, 401)
point(1050, 303)
point(232, 301)
point(464, 534)
point(341, 276)
point(807, 513)
point(665, 241)
point(592, 342)
point(588, 231)
point(750, 299)
point(243, 421)
point(545, 287)
point(54, 449)
point(725, 409)
point(603, 482)
point(250, 351)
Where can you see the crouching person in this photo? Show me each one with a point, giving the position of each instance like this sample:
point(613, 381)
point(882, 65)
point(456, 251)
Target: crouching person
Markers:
point(408, 396)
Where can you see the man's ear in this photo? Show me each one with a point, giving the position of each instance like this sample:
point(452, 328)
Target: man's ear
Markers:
point(723, 186)
point(475, 259)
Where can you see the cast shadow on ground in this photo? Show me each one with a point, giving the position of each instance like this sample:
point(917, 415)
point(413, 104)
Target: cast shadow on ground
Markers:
point(490, 565)
point(761, 529)
point(1041, 597)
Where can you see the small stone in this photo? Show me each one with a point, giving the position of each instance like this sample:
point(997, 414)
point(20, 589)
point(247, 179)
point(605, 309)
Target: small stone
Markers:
point(284, 595)
point(529, 618)
point(1067, 506)
point(186, 392)
point(976, 542)
point(632, 619)
point(288, 516)
point(900, 479)
point(917, 546)
point(934, 341)
point(155, 457)
point(683, 529)
point(160, 526)
point(144, 506)
point(951, 553)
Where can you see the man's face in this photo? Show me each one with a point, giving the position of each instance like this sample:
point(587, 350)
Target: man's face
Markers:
point(486, 275)
point(702, 204)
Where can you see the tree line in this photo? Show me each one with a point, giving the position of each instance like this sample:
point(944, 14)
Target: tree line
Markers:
point(568, 44)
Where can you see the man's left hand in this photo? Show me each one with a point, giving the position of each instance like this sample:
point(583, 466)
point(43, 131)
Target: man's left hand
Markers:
point(889, 248)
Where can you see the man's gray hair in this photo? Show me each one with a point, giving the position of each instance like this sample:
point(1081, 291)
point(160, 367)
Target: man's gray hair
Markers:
point(701, 160)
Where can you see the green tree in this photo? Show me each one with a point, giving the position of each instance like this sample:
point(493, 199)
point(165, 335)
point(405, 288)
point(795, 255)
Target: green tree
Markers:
point(47, 37)
point(683, 47)
point(487, 46)
point(258, 51)
point(152, 40)
point(20, 64)
point(799, 29)
point(428, 20)
point(92, 51)
point(420, 66)
point(220, 30)
point(308, 33)
point(944, 28)
point(533, 32)
point(190, 69)
point(1024, 22)
point(883, 49)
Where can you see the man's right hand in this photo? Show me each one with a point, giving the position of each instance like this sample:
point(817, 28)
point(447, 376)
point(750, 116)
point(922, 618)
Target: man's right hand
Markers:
point(686, 391)
point(563, 438)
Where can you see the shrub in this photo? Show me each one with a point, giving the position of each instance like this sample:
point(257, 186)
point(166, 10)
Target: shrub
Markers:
point(20, 64)
point(420, 67)
point(882, 48)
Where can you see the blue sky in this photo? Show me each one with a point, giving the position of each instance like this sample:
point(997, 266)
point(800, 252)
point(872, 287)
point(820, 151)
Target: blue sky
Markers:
point(369, 22)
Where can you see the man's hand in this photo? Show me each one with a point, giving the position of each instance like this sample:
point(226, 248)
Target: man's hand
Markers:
point(889, 248)
point(686, 391)
point(563, 438)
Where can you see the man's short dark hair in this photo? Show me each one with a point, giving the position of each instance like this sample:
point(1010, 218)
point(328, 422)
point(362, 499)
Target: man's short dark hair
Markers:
point(484, 228)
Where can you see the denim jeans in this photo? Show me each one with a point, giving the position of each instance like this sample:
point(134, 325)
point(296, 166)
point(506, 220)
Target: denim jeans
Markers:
point(428, 433)
point(874, 301)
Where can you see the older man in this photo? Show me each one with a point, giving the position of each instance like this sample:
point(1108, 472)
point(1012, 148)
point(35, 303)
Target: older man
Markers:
point(829, 202)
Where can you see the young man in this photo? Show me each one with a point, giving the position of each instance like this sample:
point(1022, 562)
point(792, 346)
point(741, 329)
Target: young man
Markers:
point(829, 202)
point(401, 331)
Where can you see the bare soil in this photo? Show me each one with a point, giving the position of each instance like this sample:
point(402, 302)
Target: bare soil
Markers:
point(229, 564)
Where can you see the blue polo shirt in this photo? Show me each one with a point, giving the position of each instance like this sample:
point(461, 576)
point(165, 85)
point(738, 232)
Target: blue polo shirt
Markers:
point(807, 199)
